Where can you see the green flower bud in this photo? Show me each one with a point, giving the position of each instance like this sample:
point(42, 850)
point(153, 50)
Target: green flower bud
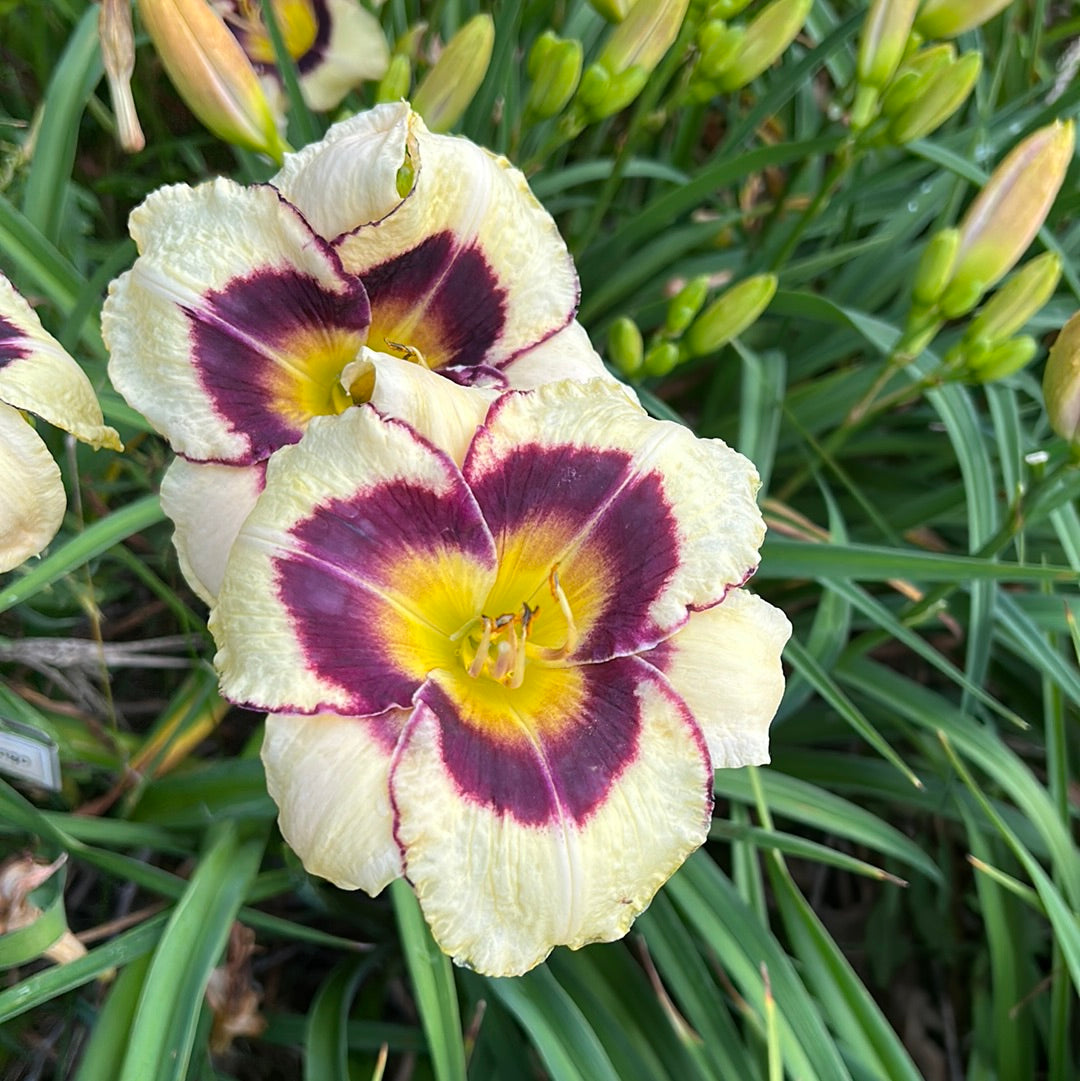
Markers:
point(602, 94)
point(945, 92)
point(913, 77)
point(1005, 216)
point(947, 18)
point(685, 305)
point(719, 44)
point(730, 314)
point(612, 10)
point(885, 35)
point(727, 9)
point(642, 38)
point(625, 347)
point(661, 359)
point(451, 84)
point(959, 298)
point(541, 49)
point(935, 267)
point(1010, 308)
point(1061, 382)
point(1005, 359)
point(394, 85)
point(767, 36)
point(556, 78)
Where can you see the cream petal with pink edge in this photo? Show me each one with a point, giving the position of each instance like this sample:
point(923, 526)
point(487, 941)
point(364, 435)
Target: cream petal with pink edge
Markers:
point(232, 328)
point(567, 354)
point(39, 376)
point(470, 268)
point(329, 776)
point(364, 554)
point(442, 411)
point(349, 177)
point(725, 663)
point(354, 52)
point(642, 520)
point(207, 504)
point(499, 893)
point(32, 498)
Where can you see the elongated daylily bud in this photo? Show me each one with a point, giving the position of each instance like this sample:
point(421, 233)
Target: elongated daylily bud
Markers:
point(885, 36)
point(1010, 308)
point(118, 54)
point(625, 347)
point(914, 76)
point(212, 73)
point(555, 68)
point(642, 38)
point(767, 36)
point(1004, 359)
point(718, 43)
point(730, 314)
point(685, 305)
point(1010, 210)
point(947, 18)
point(612, 10)
point(661, 359)
point(945, 92)
point(1061, 382)
point(935, 267)
point(451, 84)
point(394, 85)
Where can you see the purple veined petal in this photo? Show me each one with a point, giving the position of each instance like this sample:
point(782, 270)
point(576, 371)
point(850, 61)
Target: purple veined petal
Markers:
point(232, 329)
point(364, 555)
point(504, 875)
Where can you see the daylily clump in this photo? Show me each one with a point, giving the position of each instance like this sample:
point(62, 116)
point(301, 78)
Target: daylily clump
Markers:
point(496, 612)
point(38, 376)
point(504, 664)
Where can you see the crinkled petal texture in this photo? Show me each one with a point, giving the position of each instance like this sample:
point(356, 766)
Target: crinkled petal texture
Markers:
point(232, 328)
point(32, 499)
point(39, 376)
point(466, 269)
point(487, 626)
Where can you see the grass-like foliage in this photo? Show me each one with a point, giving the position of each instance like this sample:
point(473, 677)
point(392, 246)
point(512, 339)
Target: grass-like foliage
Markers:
point(896, 896)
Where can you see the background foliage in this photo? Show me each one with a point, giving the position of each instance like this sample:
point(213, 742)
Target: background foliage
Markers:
point(895, 897)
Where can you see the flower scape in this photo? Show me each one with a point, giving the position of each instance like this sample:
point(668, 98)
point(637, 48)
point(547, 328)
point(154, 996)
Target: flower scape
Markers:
point(496, 614)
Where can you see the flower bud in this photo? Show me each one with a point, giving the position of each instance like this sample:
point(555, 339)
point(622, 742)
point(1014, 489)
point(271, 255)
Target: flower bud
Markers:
point(625, 347)
point(451, 84)
point(726, 9)
point(1005, 216)
point(886, 31)
point(730, 314)
point(947, 18)
point(685, 305)
point(555, 77)
point(945, 92)
point(394, 85)
point(719, 44)
point(612, 10)
point(641, 39)
point(1061, 382)
point(602, 94)
point(118, 55)
point(767, 36)
point(914, 76)
point(661, 359)
point(1004, 359)
point(935, 267)
point(212, 73)
point(1010, 308)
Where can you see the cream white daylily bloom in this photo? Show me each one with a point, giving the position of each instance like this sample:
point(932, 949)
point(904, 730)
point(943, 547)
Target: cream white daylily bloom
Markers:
point(38, 376)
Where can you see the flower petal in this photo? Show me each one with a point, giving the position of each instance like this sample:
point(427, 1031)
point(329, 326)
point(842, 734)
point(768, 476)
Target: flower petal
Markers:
point(642, 520)
point(725, 663)
point(516, 848)
point(567, 354)
point(32, 498)
point(208, 503)
point(349, 49)
point(363, 556)
point(232, 328)
point(38, 375)
point(329, 776)
point(349, 178)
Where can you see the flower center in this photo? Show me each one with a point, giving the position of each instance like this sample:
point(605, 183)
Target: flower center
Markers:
point(296, 20)
point(498, 647)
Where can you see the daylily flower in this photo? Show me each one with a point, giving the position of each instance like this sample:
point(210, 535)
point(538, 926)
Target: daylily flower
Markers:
point(502, 658)
point(336, 44)
point(246, 306)
point(37, 376)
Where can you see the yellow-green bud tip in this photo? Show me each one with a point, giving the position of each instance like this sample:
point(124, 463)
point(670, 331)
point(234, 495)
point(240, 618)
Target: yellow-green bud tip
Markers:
point(1061, 382)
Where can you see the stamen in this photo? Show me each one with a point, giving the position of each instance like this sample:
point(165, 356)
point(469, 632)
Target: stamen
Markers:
point(482, 650)
point(564, 606)
point(408, 352)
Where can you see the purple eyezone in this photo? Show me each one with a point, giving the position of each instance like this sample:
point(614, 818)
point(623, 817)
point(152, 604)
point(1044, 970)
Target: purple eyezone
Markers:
point(13, 343)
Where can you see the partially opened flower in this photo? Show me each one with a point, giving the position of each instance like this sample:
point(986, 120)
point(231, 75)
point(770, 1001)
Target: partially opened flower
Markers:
point(336, 44)
point(246, 306)
point(37, 376)
point(503, 660)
